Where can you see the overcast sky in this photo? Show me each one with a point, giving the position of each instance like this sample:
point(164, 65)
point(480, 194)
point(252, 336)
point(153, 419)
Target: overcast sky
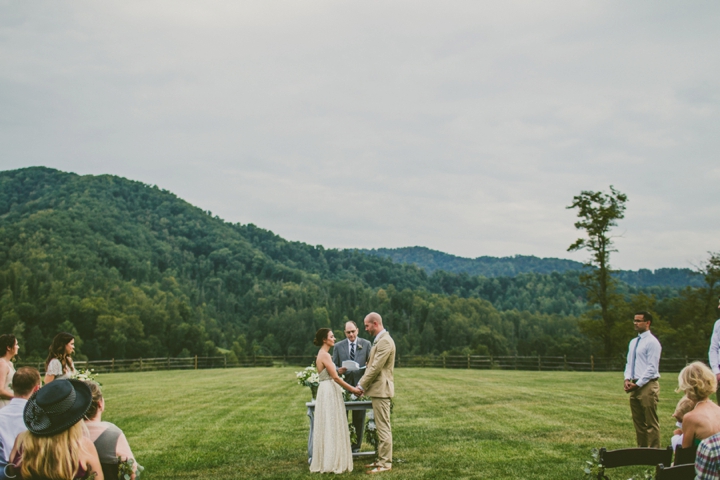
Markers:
point(463, 126)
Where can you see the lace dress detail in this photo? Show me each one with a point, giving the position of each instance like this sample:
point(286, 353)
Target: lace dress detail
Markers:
point(55, 368)
point(331, 437)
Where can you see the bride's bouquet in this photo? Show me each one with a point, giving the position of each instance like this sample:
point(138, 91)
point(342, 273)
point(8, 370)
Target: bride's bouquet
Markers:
point(87, 375)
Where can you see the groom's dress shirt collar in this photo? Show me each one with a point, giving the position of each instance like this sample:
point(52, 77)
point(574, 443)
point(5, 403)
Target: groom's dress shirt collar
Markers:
point(377, 337)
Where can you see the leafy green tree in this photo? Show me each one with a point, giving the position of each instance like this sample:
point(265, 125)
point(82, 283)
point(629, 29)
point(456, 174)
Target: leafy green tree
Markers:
point(599, 212)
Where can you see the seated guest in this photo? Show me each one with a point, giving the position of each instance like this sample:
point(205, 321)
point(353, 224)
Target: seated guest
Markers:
point(109, 440)
point(707, 460)
point(54, 446)
point(684, 406)
point(698, 382)
point(25, 382)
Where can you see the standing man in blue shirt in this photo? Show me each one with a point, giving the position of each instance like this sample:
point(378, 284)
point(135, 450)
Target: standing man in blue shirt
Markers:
point(642, 371)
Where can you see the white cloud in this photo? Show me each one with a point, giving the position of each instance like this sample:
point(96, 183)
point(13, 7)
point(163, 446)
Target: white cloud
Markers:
point(466, 127)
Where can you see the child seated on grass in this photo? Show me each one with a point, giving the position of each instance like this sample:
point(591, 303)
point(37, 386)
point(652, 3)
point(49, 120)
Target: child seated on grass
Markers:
point(684, 406)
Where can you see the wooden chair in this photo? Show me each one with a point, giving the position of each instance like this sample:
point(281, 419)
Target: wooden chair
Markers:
point(624, 457)
point(678, 472)
point(684, 456)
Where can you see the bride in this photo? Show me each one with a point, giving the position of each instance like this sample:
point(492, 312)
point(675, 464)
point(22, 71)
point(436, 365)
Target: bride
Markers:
point(331, 437)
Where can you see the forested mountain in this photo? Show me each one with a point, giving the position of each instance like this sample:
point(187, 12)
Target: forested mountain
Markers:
point(135, 271)
point(432, 260)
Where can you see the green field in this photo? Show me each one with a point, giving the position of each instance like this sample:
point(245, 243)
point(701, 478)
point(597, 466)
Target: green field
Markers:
point(489, 424)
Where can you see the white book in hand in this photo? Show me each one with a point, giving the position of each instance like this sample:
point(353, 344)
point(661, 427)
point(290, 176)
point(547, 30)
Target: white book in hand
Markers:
point(351, 365)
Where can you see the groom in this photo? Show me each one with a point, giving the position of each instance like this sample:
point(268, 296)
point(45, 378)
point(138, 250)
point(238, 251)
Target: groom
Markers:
point(378, 383)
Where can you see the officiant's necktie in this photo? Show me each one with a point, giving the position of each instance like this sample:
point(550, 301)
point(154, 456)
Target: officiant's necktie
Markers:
point(632, 370)
point(352, 352)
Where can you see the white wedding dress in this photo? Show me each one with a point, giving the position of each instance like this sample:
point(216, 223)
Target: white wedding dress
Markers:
point(331, 437)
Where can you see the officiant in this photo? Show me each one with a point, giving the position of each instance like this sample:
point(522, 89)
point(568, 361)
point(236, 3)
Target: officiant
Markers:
point(356, 350)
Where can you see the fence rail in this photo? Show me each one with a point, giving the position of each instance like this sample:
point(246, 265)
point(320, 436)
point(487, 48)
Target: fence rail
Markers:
point(481, 362)
point(540, 363)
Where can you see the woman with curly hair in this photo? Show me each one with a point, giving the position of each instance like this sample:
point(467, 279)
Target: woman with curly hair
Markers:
point(58, 364)
point(698, 382)
point(8, 349)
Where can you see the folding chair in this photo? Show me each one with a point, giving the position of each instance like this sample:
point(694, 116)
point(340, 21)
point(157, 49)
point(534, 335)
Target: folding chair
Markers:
point(624, 457)
point(683, 456)
point(678, 472)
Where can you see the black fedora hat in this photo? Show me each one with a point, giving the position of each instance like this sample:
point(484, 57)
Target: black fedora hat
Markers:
point(56, 407)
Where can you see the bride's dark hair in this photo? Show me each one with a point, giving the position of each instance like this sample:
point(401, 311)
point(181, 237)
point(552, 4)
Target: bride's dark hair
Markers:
point(320, 336)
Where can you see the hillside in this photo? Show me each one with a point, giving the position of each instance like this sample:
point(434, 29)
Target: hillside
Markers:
point(432, 260)
point(134, 271)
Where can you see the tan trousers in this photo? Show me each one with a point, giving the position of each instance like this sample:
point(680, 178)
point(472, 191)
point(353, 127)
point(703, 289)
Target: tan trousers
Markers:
point(643, 404)
point(381, 409)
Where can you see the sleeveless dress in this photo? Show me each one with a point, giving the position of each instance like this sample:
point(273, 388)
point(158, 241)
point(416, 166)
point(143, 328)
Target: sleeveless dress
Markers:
point(331, 438)
point(8, 382)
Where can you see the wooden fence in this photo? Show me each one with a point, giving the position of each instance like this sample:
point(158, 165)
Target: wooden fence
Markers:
point(481, 362)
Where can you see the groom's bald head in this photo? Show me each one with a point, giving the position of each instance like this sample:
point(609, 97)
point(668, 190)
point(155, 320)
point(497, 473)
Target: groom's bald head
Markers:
point(373, 323)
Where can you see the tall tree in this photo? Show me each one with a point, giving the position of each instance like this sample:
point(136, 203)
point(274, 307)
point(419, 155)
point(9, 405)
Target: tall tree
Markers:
point(599, 212)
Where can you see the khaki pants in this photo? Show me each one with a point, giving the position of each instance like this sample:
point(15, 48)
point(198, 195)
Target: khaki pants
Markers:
point(643, 404)
point(381, 409)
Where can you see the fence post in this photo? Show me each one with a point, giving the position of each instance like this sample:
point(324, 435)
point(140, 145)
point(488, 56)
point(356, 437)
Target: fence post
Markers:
point(686, 360)
point(468, 361)
point(87, 364)
point(592, 363)
point(168, 362)
point(564, 362)
point(443, 361)
point(141, 364)
point(224, 361)
point(539, 364)
point(516, 361)
point(112, 366)
point(195, 362)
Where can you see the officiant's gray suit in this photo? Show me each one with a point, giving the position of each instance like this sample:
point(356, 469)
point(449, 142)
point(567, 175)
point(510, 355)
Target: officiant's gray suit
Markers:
point(341, 352)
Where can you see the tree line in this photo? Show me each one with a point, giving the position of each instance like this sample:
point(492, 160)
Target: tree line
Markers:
point(133, 271)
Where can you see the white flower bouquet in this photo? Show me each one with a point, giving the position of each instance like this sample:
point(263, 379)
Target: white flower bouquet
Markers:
point(87, 375)
point(308, 377)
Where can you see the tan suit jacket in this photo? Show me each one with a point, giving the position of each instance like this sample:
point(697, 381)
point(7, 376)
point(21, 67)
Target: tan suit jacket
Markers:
point(378, 380)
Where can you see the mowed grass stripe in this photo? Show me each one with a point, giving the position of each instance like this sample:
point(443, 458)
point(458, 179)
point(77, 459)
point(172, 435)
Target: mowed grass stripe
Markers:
point(464, 424)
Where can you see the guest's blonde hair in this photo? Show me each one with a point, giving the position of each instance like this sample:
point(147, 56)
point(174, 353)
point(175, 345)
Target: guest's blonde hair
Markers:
point(684, 406)
point(56, 457)
point(697, 381)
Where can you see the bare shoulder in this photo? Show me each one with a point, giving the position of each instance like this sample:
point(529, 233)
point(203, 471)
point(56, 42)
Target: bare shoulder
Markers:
point(694, 418)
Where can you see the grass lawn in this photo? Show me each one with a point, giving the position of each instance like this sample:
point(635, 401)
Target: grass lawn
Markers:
point(455, 424)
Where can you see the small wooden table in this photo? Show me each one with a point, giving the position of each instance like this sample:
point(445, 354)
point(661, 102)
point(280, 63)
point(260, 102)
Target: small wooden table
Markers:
point(366, 405)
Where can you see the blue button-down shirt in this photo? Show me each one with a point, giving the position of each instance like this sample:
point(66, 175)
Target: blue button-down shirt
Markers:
point(646, 358)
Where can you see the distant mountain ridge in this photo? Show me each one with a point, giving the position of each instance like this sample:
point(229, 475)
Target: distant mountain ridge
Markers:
point(491, 267)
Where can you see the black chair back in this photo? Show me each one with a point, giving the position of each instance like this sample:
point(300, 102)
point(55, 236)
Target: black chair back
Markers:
point(678, 472)
point(635, 456)
point(683, 456)
point(111, 471)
